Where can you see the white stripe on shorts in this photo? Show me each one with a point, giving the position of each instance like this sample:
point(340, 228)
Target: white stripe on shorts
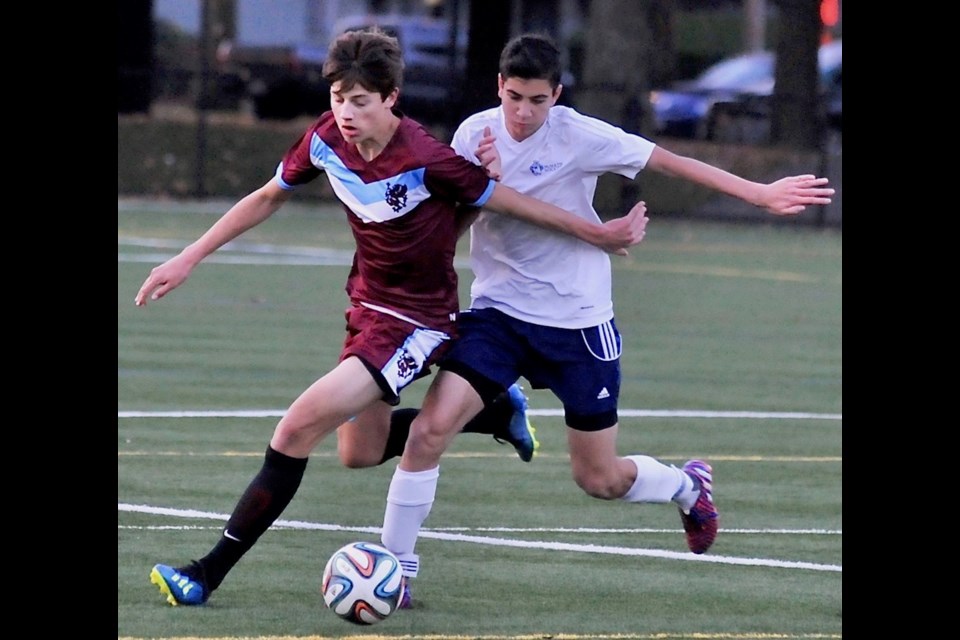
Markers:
point(611, 347)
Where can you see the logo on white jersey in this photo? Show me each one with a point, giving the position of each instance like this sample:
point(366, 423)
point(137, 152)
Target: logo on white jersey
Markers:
point(539, 169)
point(603, 394)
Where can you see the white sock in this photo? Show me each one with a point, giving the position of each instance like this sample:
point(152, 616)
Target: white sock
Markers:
point(660, 483)
point(409, 501)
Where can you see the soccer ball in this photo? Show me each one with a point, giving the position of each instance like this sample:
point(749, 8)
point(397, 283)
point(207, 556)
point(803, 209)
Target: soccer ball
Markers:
point(361, 582)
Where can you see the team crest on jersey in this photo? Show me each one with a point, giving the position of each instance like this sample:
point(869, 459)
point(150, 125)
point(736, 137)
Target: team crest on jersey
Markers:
point(538, 169)
point(396, 196)
point(406, 365)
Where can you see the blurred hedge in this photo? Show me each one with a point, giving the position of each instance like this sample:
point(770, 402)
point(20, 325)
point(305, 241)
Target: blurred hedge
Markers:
point(157, 157)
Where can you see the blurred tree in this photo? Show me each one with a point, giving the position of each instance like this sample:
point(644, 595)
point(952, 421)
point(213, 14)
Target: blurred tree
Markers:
point(663, 54)
point(754, 25)
point(628, 45)
point(624, 44)
point(488, 33)
point(796, 120)
point(217, 33)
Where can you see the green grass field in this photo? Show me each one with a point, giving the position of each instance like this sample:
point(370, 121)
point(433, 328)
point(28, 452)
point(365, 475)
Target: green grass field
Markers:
point(733, 352)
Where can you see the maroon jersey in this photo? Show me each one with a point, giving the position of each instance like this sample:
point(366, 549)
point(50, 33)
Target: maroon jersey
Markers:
point(402, 209)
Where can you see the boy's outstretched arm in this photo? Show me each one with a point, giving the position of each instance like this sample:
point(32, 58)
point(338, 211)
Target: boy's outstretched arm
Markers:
point(253, 209)
point(786, 196)
point(614, 236)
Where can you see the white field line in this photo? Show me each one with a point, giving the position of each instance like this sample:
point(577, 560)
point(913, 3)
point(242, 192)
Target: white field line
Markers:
point(241, 252)
point(218, 258)
point(627, 413)
point(575, 530)
point(502, 542)
point(251, 253)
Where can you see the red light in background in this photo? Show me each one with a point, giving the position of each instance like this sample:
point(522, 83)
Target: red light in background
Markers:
point(829, 17)
point(830, 12)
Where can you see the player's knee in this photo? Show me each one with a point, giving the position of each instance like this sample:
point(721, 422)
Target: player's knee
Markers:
point(427, 437)
point(353, 457)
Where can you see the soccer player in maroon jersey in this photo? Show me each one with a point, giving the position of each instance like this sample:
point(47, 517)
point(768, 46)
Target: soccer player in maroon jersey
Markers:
point(400, 189)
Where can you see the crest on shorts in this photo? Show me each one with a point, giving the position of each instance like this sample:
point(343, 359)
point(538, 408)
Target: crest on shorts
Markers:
point(406, 365)
point(396, 196)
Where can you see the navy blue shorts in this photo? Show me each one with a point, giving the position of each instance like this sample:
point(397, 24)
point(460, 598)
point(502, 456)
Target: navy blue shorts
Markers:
point(580, 366)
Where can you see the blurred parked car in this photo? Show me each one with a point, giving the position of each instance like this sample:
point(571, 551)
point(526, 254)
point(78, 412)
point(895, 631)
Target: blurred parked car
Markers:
point(434, 58)
point(282, 82)
point(739, 87)
point(285, 82)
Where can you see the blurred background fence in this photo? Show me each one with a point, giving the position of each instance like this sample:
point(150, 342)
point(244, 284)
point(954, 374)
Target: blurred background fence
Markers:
point(212, 92)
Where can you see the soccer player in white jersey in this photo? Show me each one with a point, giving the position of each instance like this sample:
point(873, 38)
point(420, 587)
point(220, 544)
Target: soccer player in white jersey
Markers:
point(541, 303)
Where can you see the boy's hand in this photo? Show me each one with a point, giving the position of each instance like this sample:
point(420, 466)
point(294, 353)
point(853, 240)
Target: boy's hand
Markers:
point(163, 279)
point(626, 231)
point(488, 155)
point(791, 195)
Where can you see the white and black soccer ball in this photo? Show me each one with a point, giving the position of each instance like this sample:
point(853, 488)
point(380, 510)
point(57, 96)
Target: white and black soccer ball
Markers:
point(361, 582)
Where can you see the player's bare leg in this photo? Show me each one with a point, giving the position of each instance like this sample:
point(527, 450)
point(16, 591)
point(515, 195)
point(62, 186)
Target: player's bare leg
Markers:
point(328, 402)
point(601, 473)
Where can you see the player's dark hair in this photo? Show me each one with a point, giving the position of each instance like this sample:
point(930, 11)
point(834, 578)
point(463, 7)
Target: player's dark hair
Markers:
point(531, 57)
point(368, 57)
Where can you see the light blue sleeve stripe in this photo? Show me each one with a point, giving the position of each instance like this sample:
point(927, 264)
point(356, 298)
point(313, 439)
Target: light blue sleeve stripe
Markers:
point(482, 200)
point(279, 175)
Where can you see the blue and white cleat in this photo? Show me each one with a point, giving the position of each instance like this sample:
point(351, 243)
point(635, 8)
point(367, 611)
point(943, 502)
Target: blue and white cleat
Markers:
point(178, 586)
point(521, 434)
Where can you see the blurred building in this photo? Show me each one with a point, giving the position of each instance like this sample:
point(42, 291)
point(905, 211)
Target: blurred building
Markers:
point(293, 22)
point(266, 55)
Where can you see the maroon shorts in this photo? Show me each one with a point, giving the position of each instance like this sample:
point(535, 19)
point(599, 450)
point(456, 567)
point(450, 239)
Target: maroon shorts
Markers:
point(395, 351)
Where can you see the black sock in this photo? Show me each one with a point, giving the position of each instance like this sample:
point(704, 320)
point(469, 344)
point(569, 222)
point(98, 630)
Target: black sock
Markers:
point(265, 498)
point(494, 419)
point(400, 420)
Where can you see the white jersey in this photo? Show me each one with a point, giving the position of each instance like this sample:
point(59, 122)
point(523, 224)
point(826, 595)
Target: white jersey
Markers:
point(534, 274)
